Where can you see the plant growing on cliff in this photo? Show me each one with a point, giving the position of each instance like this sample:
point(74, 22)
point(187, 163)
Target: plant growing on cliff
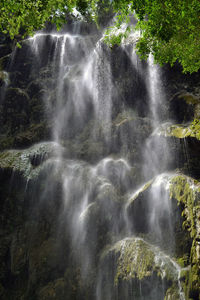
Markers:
point(168, 29)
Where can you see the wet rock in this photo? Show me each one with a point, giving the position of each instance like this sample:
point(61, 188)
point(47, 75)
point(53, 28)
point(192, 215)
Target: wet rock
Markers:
point(26, 161)
point(180, 130)
point(184, 107)
point(162, 216)
point(4, 78)
point(34, 87)
point(139, 270)
point(5, 49)
point(45, 263)
point(130, 85)
point(186, 191)
point(16, 108)
point(184, 140)
point(38, 202)
point(56, 290)
point(18, 253)
point(22, 119)
point(4, 62)
point(129, 134)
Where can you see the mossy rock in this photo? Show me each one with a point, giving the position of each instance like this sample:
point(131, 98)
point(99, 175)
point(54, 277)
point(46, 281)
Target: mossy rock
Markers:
point(162, 220)
point(130, 128)
point(28, 162)
point(133, 265)
point(178, 131)
point(151, 212)
point(172, 294)
point(184, 106)
point(187, 193)
point(184, 145)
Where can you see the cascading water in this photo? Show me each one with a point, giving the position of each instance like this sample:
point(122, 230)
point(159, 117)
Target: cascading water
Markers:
point(83, 91)
point(99, 160)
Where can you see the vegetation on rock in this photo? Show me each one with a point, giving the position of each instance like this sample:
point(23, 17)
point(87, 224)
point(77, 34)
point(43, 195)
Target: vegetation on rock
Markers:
point(36, 267)
point(187, 191)
point(168, 30)
point(181, 131)
point(27, 162)
point(137, 262)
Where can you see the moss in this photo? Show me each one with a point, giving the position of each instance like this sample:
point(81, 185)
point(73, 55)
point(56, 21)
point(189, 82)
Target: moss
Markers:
point(137, 259)
point(142, 190)
point(186, 191)
point(191, 283)
point(24, 161)
point(178, 131)
point(195, 127)
point(172, 293)
point(181, 131)
point(183, 261)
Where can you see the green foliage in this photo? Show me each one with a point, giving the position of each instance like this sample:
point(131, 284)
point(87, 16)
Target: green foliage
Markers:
point(169, 29)
point(23, 17)
point(195, 127)
point(186, 191)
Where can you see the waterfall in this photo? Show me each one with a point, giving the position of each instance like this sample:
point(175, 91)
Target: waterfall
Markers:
point(105, 174)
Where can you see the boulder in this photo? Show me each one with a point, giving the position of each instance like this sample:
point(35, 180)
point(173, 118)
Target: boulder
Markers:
point(134, 269)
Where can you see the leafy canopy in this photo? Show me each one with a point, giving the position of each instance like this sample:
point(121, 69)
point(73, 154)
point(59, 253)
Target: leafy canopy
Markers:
point(26, 16)
point(169, 29)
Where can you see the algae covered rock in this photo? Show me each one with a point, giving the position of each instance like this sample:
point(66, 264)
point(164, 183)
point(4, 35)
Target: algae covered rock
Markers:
point(139, 271)
point(28, 162)
point(180, 130)
point(183, 139)
point(187, 193)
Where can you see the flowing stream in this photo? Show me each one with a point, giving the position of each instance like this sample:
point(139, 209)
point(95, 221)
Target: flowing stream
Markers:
point(96, 125)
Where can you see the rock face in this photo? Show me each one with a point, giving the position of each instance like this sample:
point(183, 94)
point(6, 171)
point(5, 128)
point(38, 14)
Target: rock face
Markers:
point(99, 172)
point(132, 263)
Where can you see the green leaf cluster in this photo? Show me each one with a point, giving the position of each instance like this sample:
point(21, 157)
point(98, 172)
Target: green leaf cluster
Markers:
point(169, 29)
point(22, 17)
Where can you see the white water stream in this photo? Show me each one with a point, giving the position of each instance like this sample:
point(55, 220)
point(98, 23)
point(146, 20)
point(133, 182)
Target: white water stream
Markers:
point(83, 96)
